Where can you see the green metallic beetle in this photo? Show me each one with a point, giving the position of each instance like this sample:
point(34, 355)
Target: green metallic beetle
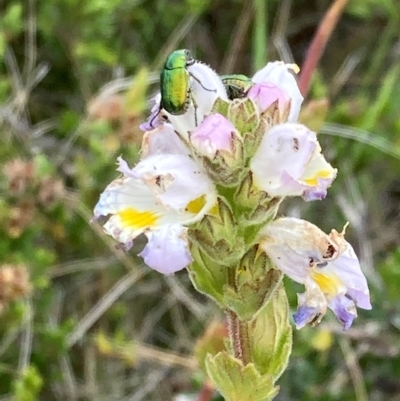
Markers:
point(236, 85)
point(175, 85)
point(175, 82)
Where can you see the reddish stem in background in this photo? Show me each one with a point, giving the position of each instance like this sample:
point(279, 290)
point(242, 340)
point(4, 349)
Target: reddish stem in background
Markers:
point(318, 44)
point(206, 392)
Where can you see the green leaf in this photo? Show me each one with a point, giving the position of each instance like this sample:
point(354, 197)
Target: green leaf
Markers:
point(271, 335)
point(206, 275)
point(237, 382)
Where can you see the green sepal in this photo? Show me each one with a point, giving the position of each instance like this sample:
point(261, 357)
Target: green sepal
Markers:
point(253, 139)
point(265, 211)
point(249, 298)
point(221, 107)
point(207, 276)
point(237, 382)
point(243, 114)
point(247, 195)
point(270, 335)
point(223, 174)
point(217, 251)
point(227, 167)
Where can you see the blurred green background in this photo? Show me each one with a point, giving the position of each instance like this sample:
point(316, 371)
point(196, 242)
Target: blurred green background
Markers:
point(82, 320)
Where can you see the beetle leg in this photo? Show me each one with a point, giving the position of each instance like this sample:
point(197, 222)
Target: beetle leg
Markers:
point(190, 95)
point(158, 113)
point(198, 80)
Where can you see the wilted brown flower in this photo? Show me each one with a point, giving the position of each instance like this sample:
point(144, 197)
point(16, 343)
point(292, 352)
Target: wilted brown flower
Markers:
point(20, 217)
point(50, 190)
point(106, 108)
point(14, 283)
point(19, 174)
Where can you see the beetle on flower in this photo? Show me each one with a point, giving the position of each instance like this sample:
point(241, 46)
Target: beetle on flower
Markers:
point(225, 173)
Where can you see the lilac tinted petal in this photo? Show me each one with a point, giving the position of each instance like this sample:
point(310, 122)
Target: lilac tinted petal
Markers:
point(344, 310)
point(213, 134)
point(311, 305)
point(348, 269)
point(163, 140)
point(167, 249)
point(304, 315)
point(155, 119)
point(265, 94)
point(312, 194)
point(175, 179)
point(279, 74)
point(360, 298)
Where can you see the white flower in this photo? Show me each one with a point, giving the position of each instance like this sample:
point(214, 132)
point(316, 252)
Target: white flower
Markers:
point(278, 73)
point(159, 197)
point(326, 264)
point(289, 162)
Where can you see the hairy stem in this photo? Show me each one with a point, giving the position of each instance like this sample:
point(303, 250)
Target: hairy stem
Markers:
point(238, 331)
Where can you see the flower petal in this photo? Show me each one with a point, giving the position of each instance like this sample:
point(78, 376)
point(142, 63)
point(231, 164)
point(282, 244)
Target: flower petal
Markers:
point(266, 93)
point(176, 180)
point(155, 119)
point(206, 87)
point(133, 208)
point(288, 163)
point(325, 264)
point(167, 249)
point(278, 73)
point(212, 135)
point(344, 309)
point(163, 140)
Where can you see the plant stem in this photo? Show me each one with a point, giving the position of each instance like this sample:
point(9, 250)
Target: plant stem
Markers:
point(318, 44)
point(238, 330)
point(239, 335)
point(260, 42)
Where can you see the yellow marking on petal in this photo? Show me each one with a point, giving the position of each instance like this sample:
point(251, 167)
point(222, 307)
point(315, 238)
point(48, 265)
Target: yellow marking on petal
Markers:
point(320, 174)
point(132, 218)
point(196, 205)
point(329, 285)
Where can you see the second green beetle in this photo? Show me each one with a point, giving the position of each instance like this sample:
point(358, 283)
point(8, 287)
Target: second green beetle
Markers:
point(236, 85)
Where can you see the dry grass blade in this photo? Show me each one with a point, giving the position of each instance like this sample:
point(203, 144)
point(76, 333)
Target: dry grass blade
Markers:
point(356, 374)
point(103, 304)
point(238, 38)
point(361, 136)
